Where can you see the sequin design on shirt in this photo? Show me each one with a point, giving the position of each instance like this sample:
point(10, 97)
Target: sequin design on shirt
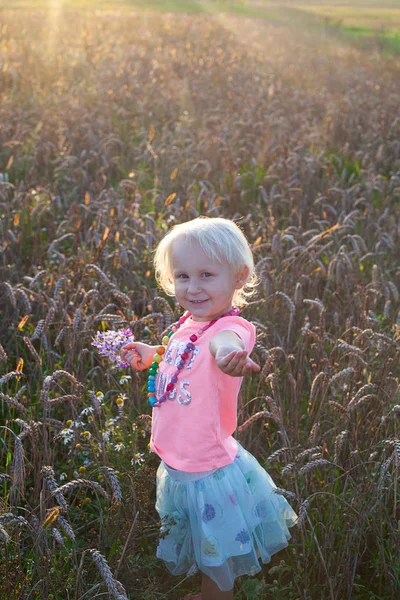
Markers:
point(184, 397)
point(172, 357)
point(162, 380)
point(175, 349)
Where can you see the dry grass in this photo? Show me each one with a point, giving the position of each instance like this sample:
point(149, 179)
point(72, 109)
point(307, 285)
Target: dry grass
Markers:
point(112, 129)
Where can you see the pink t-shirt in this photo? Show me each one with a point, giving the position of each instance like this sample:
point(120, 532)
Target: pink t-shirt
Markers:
point(193, 430)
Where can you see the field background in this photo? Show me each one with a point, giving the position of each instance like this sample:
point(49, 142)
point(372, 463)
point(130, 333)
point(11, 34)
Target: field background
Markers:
point(119, 119)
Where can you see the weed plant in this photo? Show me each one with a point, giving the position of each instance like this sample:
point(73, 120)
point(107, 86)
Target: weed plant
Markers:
point(115, 126)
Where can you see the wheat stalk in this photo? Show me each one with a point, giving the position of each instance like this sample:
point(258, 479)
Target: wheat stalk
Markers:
point(105, 571)
point(77, 483)
point(37, 277)
point(384, 471)
point(66, 527)
point(3, 354)
point(32, 349)
point(18, 469)
point(316, 303)
point(286, 493)
point(338, 407)
point(343, 375)
point(312, 438)
point(253, 418)
point(303, 513)
point(298, 294)
point(339, 442)
point(9, 293)
point(354, 404)
point(113, 479)
point(77, 320)
point(65, 398)
point(313, 464)
point(26, 303)
point(3, 534)
point(62, 281)
point(13, 519)
point(13, 403)
point(394, 290)
point(317, 385)
point(57, 536)
point(10, 375)
point(48, 476)
point(39, 331)
point(307, 452)
point(98, 271)
point(61, 334)
point(121, 297)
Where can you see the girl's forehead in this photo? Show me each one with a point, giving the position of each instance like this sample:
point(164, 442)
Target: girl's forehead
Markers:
point(186, 252)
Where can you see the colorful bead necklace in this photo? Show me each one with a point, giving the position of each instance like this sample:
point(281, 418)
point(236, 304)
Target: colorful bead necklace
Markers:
point(158, 356)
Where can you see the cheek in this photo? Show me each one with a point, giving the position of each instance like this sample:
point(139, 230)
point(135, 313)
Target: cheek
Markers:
point(179, 286)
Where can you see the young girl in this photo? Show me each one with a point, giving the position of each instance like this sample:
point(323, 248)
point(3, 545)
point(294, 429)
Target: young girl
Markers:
point(216, 502)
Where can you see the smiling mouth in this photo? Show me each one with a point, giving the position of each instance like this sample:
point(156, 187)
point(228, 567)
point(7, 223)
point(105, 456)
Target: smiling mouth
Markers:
point(197, 301)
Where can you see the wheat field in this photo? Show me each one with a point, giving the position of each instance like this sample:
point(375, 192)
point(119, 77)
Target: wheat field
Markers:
point(116, 124)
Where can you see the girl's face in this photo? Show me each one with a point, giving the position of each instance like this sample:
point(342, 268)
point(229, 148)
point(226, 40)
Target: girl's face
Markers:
point(203, 286)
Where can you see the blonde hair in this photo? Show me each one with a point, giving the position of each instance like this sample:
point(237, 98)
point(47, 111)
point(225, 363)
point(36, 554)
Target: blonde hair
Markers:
point(221, 239)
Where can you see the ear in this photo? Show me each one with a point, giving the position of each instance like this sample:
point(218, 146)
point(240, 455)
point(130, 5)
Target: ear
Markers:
point(241, 277)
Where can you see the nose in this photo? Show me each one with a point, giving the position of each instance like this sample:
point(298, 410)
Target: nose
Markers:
point(193, 286)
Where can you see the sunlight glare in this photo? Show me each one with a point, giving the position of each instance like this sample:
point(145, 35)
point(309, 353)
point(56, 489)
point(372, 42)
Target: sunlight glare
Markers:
point(54, 13)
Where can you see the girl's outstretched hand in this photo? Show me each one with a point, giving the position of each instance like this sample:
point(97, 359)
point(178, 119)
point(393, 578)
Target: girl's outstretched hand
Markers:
point(138, 355)
point(236, 363)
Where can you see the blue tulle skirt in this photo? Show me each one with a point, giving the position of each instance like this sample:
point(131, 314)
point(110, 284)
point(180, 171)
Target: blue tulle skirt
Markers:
point(224, 521)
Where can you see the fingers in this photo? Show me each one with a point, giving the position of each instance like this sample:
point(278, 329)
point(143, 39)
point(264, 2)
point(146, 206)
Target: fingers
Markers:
point(237, 363)
point(253, 366)
point(132, 357)
point(126, 348)
point(129, 346)
point(236, 359)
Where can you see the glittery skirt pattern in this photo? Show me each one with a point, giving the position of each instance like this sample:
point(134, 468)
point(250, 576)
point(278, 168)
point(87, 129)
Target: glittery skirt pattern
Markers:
point(224, 521)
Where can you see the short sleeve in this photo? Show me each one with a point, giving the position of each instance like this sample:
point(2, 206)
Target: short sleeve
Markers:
point(245, 330)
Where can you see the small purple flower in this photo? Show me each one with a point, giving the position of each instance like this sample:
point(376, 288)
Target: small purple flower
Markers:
point(208, 513)
point(243, 537)
point(110, 343)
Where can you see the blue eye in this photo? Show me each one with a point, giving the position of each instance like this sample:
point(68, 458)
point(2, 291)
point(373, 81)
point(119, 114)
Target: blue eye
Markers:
point(207, 274)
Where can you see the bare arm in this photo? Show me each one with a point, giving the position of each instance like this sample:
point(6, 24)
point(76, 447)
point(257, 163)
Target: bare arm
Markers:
point(228, 350)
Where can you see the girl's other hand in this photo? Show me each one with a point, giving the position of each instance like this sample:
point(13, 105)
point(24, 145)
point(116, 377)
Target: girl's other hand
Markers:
point(138, 355)
point(236, 363)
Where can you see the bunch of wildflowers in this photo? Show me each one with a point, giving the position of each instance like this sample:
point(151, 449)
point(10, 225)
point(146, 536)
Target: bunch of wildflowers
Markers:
point(110, 343)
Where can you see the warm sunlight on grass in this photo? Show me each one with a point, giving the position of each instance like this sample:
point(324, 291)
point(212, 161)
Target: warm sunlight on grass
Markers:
point(373, 18)
point(118, 119)
point(363, 13)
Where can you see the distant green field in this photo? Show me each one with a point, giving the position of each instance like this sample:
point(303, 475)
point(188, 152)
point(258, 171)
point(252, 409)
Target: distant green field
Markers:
point(373, 18)
point(363, 21)
point(372, 10)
